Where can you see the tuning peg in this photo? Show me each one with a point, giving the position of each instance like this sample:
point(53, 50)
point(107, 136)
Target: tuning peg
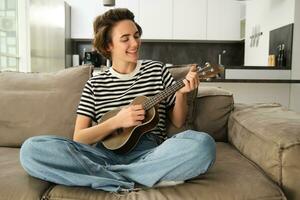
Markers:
point(207, 64)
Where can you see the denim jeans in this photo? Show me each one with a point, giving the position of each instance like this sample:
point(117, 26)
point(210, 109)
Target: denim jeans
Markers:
point(63, 161)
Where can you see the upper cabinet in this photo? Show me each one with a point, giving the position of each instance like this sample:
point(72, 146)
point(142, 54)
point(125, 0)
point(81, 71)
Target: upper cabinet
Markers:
point(189, 19)
point(223, 20)
point(156, 19)
point(167, 19)
point(132, 5)
point(82, 18)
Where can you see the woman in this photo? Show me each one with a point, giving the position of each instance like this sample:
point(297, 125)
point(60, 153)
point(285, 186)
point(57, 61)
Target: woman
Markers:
point(155, 158)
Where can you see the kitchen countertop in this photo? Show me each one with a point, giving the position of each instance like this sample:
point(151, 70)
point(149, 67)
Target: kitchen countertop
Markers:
point(246, 80)
point(256, 74)
point(258, 67)
point(223, 80)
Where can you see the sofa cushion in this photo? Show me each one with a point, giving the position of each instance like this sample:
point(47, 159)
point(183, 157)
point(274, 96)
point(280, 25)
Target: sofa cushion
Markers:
point(39, 103)
point(212, 109)
point(269, 135)
point(231, 177)
point(15, 183)
point(179, 72)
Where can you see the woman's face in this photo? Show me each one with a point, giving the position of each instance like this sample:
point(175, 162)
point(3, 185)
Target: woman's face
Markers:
point(125, 42)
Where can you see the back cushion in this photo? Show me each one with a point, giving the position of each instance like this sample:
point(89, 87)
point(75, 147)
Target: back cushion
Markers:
point(212, 109)
point(39, 103)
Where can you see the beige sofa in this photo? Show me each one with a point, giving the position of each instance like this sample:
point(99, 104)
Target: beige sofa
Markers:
point(258, 146)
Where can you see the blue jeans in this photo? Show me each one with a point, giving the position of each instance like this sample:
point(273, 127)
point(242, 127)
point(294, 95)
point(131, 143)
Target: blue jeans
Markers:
point(63, 161)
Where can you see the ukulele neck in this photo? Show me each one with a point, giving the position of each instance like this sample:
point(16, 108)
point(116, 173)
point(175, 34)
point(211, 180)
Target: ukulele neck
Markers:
point(151, 102)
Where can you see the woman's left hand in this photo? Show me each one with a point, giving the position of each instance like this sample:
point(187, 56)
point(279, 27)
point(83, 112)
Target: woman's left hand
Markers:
point(191, 80)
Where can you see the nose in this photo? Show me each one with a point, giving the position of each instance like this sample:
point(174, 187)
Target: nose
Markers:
point(135, 42)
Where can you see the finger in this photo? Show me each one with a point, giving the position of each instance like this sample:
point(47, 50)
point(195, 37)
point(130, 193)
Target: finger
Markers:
point(137, 107)
point(193, 81)
point(136, 123)
point(193, 68)
point(194, 73)
point(187, 83)
point(196, 80)
point(140, 118)
point(140, 112)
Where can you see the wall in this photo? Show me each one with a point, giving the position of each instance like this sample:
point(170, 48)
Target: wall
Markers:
point(269, 15)
point(295, 88)
point(249, 93)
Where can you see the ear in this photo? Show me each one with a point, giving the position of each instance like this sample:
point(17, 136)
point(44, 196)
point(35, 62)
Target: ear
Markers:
point(109, 47)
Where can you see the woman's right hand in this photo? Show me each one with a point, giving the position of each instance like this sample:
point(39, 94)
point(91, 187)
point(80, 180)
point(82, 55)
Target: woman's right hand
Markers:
point(131, 115)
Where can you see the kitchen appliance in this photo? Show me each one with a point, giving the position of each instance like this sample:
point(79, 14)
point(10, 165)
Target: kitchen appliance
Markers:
point(50, 35)
point(94, 58)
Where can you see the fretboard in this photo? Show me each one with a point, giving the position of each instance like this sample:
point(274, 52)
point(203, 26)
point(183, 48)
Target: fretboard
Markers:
point(152, 101)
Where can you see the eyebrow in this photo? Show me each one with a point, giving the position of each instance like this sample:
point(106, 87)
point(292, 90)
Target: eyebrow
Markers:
point(126, 35)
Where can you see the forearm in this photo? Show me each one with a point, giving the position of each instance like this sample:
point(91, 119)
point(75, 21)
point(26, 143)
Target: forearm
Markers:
point(180, 109)
point(96, 133)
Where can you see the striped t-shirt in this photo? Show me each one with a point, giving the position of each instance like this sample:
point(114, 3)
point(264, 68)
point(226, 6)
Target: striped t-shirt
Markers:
point(110, 90)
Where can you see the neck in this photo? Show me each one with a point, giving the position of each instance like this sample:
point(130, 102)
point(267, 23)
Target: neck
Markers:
point(152, 101)
point(123, 67)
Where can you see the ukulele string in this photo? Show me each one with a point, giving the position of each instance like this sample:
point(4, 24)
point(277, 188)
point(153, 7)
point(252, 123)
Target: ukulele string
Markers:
point(149, 103)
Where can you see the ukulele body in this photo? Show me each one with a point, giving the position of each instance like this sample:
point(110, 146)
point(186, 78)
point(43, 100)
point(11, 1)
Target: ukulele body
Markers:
point(124, 139)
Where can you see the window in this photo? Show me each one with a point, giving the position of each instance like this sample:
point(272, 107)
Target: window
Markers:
point(9, 55)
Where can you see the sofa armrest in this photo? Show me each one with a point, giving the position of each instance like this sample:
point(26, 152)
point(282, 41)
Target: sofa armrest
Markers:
point(269, 135)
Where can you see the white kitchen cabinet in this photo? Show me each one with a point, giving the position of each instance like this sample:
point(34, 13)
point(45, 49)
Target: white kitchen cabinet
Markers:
point(156, 19)
point(132, 5)
point(223, 20)
point(189, 19)
point(83, 16)
point(167, 19)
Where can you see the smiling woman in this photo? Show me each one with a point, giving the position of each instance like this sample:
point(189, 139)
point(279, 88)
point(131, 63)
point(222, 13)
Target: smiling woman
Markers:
point(114, 93)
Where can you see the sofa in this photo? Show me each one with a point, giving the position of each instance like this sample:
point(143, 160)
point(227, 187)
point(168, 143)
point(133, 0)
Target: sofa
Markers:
point(258, 145)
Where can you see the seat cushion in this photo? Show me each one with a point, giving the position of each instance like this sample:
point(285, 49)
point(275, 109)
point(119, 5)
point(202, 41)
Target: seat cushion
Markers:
point(39, 103)
point(269, 135)
point(231, 177)
point(15, 184)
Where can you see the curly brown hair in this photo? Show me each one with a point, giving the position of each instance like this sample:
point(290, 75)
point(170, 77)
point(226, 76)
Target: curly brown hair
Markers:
point(103, 25)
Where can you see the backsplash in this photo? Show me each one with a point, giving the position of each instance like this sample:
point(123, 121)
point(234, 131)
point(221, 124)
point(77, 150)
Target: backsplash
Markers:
point(182, 52)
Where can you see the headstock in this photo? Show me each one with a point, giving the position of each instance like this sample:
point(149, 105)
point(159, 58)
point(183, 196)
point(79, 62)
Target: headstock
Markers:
point(209, 71)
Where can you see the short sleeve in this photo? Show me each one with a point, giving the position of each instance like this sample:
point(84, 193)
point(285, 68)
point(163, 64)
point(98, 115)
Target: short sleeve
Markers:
point(168, 80)
point(87, 102)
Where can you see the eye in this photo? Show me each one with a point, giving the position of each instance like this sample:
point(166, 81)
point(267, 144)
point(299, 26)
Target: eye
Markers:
point(124, 39)
point(137, 36)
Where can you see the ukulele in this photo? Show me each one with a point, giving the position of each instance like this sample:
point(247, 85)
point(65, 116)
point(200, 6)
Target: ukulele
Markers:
point(124, 140)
